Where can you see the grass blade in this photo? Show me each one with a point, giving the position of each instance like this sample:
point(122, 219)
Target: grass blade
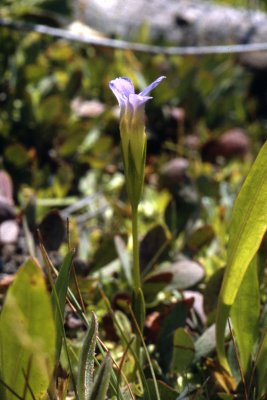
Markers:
point(86, 362)
point(102, 379)
point(147, 355)
point(126, 341)
point(49, 268)
point(58, 298)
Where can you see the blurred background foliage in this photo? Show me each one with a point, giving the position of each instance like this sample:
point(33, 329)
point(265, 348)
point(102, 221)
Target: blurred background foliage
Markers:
point(59, 122)
point(46, 82)
point(59, 135)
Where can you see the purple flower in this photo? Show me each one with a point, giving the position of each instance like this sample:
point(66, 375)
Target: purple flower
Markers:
point(124, 91)
point(132, 132)
point(132, 116)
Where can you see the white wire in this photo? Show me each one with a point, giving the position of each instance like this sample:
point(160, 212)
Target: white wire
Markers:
point(125, 45)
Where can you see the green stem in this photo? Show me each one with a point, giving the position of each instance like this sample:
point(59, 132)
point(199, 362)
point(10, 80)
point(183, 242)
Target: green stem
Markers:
point(136, 265)
point(138, 306)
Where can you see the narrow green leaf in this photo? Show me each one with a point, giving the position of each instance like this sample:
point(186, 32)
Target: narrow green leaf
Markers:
point(248, 225)
point(61, 331)
point(245, 315)
point(261, 365)
point(102, 379)
point(58, 299)
point(141, 337)
point(27, 335)
point(86, 361)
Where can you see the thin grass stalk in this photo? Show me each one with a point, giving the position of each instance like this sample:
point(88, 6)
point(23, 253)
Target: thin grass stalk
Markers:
point(256, 359)
point(119, 367)
point(147, 353)
point(238, 361)
point(49, 264)
point(28, 387)
point(78, 309)
point(26, 376)
point(10, 389)
point(126, 341)
point(73, 269)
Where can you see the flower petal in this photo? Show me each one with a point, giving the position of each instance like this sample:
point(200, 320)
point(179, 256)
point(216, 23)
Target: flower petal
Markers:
point(122, 88)
point(136, 100)
point(152, 86)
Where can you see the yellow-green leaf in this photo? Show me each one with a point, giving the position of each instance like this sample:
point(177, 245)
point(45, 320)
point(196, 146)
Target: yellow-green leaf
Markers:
point(245, 314)
point(248, 225)
point(27, 335)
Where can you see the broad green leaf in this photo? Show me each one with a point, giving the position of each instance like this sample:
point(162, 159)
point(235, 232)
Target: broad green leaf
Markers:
point(86, 361)
point(102, 379)
point(175, 319)
point(27, 334)
point(245, 315)
point(179, 275)
point(152, 246)
point(206, 343)
point(183, 351)
point(248, 225)
point(58, 299)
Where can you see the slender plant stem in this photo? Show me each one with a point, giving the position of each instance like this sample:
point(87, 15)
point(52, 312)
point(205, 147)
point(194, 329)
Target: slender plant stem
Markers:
point(136, 265)
point(136, 271)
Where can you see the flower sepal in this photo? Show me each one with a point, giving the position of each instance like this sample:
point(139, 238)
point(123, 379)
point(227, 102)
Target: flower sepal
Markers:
point(134, 177)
